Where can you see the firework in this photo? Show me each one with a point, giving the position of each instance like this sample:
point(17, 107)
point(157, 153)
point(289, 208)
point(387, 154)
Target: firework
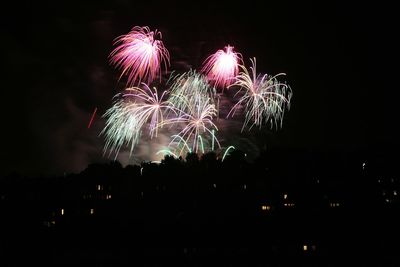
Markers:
point(189, 87)
point(92, 118)
point(127, 116)
point(191, 104)
point(265, 98)
point(139, 55)
point(148, 105)
point(196, 121)
point(194, 102)
point(226, 152)
point(122, 127)
point(222, 67)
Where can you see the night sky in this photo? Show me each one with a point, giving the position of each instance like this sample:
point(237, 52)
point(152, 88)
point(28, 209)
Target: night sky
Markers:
point(338, 59)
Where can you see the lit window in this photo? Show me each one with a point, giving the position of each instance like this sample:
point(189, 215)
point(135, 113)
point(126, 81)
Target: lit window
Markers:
point(394, 193)
point(62, 211)
point(214, 185)
point(334, 204)
point(284, 196)
point(108, 197)
point(91, 211)
point(305, 247)
point(266, 207)
point(244, 186)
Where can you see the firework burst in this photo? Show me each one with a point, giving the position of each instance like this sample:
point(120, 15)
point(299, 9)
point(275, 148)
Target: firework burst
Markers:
point(139, 55)
point(222, 67)
point(265, 98)
point(195, 101)
point(189, 107)
point(189, 87)
point(127, 116)
point(149, 106)
point(122, 127)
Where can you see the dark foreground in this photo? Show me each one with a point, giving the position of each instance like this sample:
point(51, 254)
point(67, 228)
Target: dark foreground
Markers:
point(304, 211)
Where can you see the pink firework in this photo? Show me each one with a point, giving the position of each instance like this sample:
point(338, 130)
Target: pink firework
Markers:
point(222, 67)
point(139, 55)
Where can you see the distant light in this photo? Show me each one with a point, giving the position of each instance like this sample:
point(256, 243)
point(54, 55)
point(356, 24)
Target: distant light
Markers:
point(53, 222)
point(141, 171)
point(244, 186)
point(214, 185)
point(284, 196)
point(108, 196)
point(62, 211)
point(314, 247)
point(363, 165)
point(266, 207)
point(387, 200)
point(305, 247)
point(91, 211)
point(394, 193)
point(99, 187)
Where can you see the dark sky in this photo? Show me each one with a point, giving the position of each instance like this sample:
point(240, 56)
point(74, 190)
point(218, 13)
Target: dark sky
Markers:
point(338, 59)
